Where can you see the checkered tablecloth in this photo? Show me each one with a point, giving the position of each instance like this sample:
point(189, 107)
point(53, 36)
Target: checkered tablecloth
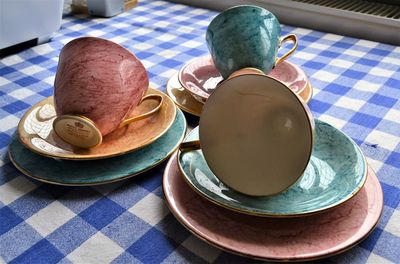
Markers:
point(356, 88)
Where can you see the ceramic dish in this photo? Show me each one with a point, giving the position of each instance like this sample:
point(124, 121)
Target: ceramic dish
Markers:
point(92, 172)
point(200, 77)
point(35, 131)
point(290, 239)
point(336, 172)
point(182, 98)
point(256, 134)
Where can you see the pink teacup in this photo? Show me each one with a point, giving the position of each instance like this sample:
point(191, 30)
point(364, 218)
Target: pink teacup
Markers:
point(98, 83)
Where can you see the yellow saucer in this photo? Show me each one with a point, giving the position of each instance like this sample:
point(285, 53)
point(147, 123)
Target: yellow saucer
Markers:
point(35, 131)
point(182, 98)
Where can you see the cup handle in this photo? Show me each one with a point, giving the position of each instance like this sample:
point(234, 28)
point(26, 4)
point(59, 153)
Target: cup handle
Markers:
point(189, 145)
point(153, 111)
point(290, 37)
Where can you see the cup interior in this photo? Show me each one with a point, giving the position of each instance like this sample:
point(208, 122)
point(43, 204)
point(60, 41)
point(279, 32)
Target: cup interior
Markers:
point(256, 134)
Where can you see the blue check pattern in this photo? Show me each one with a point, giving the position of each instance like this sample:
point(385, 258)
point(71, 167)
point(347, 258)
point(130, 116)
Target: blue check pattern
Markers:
point(356, 88)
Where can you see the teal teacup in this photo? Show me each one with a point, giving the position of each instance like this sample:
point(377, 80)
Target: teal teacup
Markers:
point(246, 36)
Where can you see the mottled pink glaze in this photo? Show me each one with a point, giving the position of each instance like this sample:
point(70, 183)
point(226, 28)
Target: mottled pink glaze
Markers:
point(98, 79)
point(291, 75)
point(200, 76)
point(304, 238)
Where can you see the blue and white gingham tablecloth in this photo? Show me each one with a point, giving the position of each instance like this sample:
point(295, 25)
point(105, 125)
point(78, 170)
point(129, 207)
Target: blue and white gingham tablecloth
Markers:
point(356, 88)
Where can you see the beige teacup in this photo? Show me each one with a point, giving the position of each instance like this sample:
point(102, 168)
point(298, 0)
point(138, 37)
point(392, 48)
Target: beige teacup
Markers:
point(256, 134)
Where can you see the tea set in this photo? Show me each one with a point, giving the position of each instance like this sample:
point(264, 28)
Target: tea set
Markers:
point(259, 176)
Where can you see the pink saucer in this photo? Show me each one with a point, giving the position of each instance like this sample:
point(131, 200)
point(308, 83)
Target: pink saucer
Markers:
point(200, 77)
point(283, 239)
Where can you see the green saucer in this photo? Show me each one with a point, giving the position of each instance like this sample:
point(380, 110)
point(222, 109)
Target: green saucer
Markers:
point(92, 172)
point(336, 172)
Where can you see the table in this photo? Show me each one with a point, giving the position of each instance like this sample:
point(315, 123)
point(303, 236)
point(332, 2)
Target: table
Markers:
point(356, 88)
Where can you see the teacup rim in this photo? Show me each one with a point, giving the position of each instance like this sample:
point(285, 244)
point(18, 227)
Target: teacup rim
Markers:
point(228, 10)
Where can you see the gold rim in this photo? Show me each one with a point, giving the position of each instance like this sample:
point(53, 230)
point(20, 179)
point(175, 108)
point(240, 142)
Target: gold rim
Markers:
point(307, 93)
point(212, 243)
point(92, 156)
point(271, 215)
point(173, 97)
point(27, 173)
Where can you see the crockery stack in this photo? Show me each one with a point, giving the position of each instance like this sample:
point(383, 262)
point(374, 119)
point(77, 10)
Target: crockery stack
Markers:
point(260, 177)
point(102, 109)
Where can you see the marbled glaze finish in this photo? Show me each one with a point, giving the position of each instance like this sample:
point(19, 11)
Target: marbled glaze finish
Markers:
point(243, 36)
point(291, 75)
point(288, 239)
point(98, 79)
point(200, 78)
point(182, 98)
point(336, 171)
point(66, 172)
point(35, 130)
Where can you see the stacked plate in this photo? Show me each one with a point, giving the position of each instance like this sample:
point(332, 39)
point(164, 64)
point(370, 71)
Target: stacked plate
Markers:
point(194, 83)
point(334, 205)
point(39, 153)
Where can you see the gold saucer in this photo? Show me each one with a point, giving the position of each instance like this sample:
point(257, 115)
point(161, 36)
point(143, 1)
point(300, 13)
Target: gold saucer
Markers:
point(35, 131)
point(182, 98)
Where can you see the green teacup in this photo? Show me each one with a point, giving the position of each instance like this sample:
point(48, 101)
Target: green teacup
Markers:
point(246, 36)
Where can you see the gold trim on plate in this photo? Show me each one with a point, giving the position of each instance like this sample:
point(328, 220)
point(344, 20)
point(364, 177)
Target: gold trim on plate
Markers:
point(190, 104)
point(27, 173)
point(201, 237)
point(113, 144)
point(321, 210)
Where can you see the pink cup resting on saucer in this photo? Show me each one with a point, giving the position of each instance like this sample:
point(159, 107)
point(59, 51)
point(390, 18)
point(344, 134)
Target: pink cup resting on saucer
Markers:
point(200, 77)
point(100, 80)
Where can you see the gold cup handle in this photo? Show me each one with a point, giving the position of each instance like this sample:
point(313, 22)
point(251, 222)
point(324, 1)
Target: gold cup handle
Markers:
point(153, 111)
point(290, 37)
point(190, 145)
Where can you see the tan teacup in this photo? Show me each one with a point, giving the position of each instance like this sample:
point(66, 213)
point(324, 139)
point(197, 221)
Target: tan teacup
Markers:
point(98, 83)
point(255, 133)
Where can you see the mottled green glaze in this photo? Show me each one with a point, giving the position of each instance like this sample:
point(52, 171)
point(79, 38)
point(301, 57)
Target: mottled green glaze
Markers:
point(243, 36)
point(337, 170)
point(98, 171)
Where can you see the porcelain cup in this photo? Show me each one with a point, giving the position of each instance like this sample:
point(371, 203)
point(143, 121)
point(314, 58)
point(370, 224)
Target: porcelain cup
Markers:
point(98, 83)
point(246, 36)
point(264, 143)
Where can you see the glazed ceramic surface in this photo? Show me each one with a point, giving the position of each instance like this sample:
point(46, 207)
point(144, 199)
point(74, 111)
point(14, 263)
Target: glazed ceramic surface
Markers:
point(200, 78)
point(336, 172)
point(182, 98)
point(36, 131)
point(100, 80)
point(288, 239)
point(256, 134)
point(243, 36)
point(67, 172)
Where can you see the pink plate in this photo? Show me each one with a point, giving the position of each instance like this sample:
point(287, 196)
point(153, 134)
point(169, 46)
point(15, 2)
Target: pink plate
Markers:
point(288, 239)
point(200, 77)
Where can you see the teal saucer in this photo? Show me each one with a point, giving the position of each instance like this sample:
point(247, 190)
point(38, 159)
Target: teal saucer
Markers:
point(336, 172)
point(92, 172)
